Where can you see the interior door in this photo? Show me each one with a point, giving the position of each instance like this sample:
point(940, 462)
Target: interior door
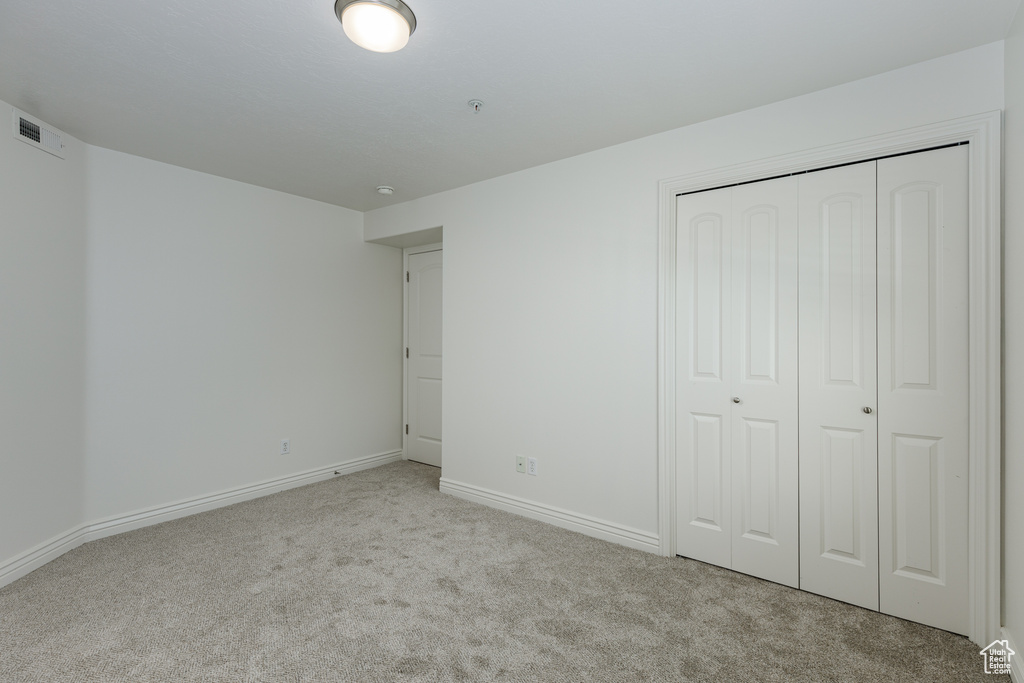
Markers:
point(424, 367)
point(923, 387)
point(736, 402)
point(838, 399)
point(704, 376)
point(765, 512)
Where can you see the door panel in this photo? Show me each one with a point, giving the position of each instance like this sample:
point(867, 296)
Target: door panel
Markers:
point(915, 238)
point(842, 495)
point(707, 264)
point(703, 440)
point(918, 475)
point(764, 357)
point(759, 272)
point(424, 368)
point(759, 450)
point(706, 476)
point(838, 440)
point(428, 409)
point(923, 387)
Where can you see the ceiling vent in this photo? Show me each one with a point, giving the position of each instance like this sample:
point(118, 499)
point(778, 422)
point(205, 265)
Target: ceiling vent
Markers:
point(34, 132)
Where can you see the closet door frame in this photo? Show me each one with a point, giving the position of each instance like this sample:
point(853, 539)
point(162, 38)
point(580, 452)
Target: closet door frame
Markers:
point(983, 133)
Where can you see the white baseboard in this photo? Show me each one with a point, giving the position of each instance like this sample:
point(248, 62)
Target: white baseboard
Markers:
point(164, 513)
point(1017, 660)
point(20, 565)
point(589, 526)
point(30, 560)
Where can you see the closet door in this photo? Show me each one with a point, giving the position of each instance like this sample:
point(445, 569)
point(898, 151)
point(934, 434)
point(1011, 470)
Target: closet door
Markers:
point(736, 402)
point(838, 454)
point(704, 376)
point(923, 387)
point(765, 514)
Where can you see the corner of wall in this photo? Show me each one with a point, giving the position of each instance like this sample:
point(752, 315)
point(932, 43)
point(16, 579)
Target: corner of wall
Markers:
point(42, 368)
point(1013, 336)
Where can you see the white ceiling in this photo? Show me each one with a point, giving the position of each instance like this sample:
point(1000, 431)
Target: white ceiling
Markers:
point(271, 92)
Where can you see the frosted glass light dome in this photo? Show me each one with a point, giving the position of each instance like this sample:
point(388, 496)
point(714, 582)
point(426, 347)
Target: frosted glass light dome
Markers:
point(377, 25)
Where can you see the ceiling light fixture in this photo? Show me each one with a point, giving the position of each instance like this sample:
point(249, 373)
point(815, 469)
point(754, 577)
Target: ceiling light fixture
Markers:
point(377, 25)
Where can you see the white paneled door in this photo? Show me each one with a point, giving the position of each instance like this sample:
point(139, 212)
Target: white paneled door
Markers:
point(838, 400)
point(737, 379)
point(704, 379)
point(424, 367)
point(765, 507)
point(822, 414)
point(923, 387)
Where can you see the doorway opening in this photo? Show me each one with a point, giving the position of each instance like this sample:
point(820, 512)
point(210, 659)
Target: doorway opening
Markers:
point(423, 366)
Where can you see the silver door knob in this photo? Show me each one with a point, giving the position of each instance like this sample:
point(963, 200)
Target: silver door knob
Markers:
point(867, 410)
point(735, 399)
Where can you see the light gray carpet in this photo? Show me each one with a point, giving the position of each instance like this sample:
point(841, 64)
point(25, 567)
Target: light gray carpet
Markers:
point(376, 576)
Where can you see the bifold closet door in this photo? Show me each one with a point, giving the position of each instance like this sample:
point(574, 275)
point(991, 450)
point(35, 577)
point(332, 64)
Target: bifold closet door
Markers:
point(765, 500)
point(704, 370)
point(736, 453)
point(704, 381)
point(838, 434)
point(923, 387)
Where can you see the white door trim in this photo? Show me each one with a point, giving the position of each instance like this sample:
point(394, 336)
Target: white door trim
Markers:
point(983, 132)
point(405, 336)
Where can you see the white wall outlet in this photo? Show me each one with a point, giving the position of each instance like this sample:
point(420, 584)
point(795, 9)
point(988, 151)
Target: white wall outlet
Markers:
point(531, 466)
point(286, 447)
point(521, 463)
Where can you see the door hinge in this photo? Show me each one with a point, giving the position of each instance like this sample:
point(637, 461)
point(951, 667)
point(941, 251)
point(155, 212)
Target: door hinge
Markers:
point(406, 429)
point(406, 351)
point(407, 276)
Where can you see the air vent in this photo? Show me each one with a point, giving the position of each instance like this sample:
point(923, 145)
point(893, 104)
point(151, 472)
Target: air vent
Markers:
point(34, 132)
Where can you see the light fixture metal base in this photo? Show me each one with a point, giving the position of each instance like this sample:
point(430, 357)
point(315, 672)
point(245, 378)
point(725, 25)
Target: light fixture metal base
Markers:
point(397, 5)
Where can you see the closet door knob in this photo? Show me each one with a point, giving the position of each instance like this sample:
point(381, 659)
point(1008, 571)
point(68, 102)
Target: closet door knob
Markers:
point(867, 410)
point(735, 399)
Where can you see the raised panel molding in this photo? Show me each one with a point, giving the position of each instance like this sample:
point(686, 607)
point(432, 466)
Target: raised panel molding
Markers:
point(841, 268)
point(919, 474)
point(760, 452)
point(707, 476)
point(430, 328)
point(760, 234)
point(842, 461)
point(917, 220)
point(428, 412)
point(706, 264)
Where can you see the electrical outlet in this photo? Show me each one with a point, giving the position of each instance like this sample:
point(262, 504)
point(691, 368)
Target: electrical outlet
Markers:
point(520, 464)
point(286, 447)
point(531, 466)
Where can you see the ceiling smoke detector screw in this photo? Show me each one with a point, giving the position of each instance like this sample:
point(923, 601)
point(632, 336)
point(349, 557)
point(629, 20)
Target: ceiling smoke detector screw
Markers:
point(477, 105)
point(385, 190)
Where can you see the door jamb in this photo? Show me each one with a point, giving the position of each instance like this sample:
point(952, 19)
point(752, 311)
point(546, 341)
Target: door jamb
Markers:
point(408, 251)
point(983, 132)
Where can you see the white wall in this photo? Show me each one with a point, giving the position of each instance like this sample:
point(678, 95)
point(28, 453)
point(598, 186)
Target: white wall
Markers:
point(222, 318)
point(42, 340)
point(550, 294)
point(1013, 338)
point(161, 330)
